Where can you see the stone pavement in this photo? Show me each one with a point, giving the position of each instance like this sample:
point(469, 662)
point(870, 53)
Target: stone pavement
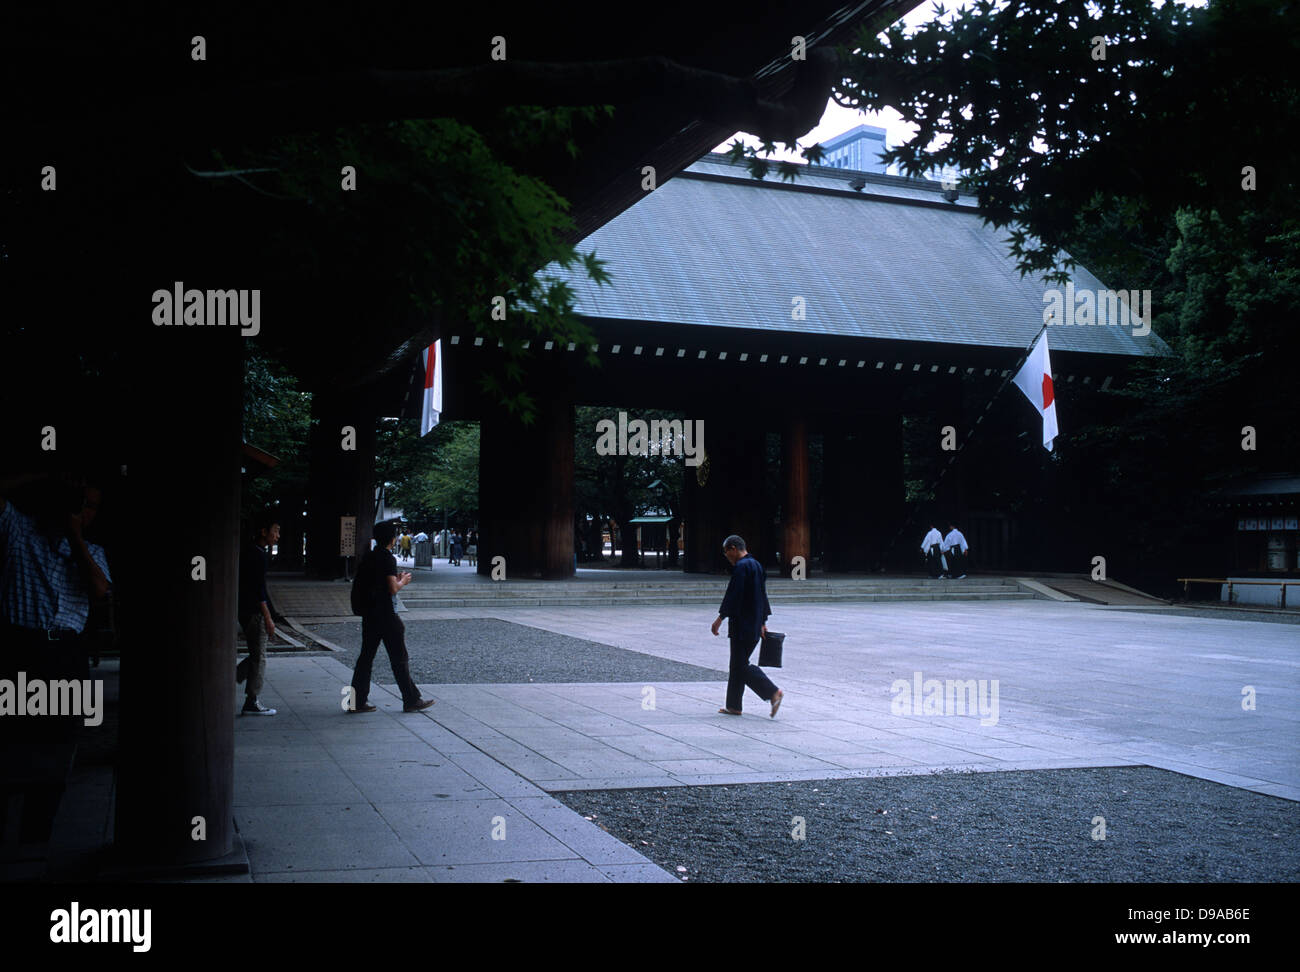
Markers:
point(299, 597)
point(322, 795)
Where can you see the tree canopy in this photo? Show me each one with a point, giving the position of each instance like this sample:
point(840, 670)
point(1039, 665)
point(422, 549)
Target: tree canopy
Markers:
point(431, 478)
point(1052, 110)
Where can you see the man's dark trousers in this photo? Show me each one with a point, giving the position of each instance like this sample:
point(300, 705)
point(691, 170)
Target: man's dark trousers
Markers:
point(388, 628)
point(956, 562)
point(742, 673)
point(933, 563)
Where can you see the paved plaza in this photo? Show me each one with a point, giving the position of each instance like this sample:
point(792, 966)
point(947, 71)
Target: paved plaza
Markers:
point(461, 792)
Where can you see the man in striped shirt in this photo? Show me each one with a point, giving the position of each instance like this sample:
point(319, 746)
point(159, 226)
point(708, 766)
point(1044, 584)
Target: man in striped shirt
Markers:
point(49, 575)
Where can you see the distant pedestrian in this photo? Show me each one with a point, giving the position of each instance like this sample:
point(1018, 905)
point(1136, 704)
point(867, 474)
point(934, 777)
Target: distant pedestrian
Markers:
point(255, 611)
point(406, 546)
point(746, 609)
point(955, 548)
point(932, 547)
point(471, 548)
point(457, 548)
point(378, 580)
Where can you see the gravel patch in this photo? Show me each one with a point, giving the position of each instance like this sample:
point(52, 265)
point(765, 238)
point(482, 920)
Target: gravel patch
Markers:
point(489, 650)
point(960, 827)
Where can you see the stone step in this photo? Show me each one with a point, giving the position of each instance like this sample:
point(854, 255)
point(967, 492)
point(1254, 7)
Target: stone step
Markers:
point(553, 600)
point(794, 588)
point(524, 590)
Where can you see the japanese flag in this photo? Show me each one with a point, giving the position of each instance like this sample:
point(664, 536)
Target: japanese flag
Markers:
point(1035, 380)
point(432, 387)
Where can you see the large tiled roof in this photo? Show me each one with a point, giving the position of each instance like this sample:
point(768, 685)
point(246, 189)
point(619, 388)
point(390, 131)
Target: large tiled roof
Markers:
point(895, 261)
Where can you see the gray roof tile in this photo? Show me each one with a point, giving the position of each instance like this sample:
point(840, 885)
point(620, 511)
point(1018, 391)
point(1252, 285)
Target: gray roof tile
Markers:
point(722, 254)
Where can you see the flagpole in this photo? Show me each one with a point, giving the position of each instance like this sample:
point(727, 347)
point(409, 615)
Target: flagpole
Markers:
point(911, 517)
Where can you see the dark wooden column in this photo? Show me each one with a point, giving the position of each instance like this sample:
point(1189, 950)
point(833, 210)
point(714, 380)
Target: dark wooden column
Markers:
point(701, 542)
point(732, 499)
point(702, 505)
point(178, 649)
point(342, 482)
point(882, 489)
point(949, 499)
point(847, 464)
point(746, 512)
point(526, 490)
point(557, 488)
point(796, 529)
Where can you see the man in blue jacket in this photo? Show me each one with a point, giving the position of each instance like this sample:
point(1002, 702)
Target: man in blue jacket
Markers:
point(746, 609)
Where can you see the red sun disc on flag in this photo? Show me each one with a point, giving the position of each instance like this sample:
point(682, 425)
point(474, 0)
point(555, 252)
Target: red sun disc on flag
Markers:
point(1048, 395)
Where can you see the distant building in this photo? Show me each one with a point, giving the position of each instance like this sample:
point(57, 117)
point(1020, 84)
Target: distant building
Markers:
point(853, 315)
point(858, 149)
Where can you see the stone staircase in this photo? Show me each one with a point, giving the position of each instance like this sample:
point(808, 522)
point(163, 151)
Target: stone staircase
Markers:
point(708, 591)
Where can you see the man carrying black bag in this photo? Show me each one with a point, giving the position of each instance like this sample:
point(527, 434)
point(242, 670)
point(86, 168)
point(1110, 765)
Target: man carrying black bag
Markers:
point(376, 585)
point(746, 609)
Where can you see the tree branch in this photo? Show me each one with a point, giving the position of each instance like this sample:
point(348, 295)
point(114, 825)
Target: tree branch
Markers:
point(380, 95)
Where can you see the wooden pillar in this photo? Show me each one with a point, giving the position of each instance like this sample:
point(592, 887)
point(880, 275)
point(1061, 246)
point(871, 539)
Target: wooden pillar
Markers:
point(883, 490)
point(342, 479)
point(731, 499)
point(847, 516)
point(796, 529)
point(497, 517)
point(949, 500)
point(526, 491)
point(176, 614)
point(864, 490)
point(697, 521)
point(556, 441)
point(703, 502)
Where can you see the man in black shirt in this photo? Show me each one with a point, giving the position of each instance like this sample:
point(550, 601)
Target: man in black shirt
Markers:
point(255, 611)
point(377, 576)
point(746, 609)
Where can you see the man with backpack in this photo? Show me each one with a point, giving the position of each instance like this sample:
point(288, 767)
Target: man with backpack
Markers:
point(374, 594)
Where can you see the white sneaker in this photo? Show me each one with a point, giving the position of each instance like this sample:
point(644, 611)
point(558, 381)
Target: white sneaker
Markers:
point(254, 707)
